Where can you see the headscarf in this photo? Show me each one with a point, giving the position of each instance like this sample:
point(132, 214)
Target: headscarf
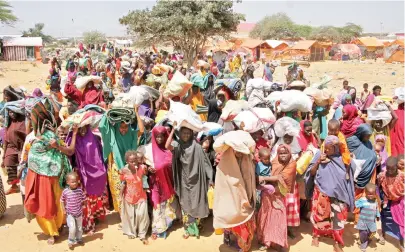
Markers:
point(198, 100)
point(162, 180)
point(44, 116)
point(350, 124)
point(285, 172)
point(14, 93)
point(305, 140)
point(363, 151)
point(37, 92)
point(91, 95)
point(14, 106)
point(331, 176)
point(214, 113)
point(268, 74)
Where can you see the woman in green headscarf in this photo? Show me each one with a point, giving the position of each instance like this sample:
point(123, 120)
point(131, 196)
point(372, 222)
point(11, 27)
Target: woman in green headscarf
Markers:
point(120, 129)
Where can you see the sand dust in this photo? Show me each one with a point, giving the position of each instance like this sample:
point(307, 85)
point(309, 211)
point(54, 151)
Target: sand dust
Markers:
point(16, 234)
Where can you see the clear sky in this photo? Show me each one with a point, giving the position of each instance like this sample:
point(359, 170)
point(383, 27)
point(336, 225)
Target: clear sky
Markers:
point(103, 16)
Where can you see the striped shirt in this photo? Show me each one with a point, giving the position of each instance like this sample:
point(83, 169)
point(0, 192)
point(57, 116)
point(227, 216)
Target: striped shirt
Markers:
point(73, 201)
point(368, 213)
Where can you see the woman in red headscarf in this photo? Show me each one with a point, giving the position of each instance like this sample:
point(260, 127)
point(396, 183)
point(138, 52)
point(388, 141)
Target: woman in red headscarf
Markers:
point(165, 205)
point(306, 136)
point(350, 120)
point(91, 95)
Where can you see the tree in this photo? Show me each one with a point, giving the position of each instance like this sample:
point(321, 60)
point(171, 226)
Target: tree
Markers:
point(303, 30)
point(37, 32)
point(276, 26)
point(94, 37)
point(350, 31)
point(6, 15)
point(186, 24)
point(326, 33)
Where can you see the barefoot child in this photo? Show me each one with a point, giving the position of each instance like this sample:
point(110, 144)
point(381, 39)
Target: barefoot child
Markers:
point(72, 204)
point(263, 169)
point(134, 209)
point(369, 212)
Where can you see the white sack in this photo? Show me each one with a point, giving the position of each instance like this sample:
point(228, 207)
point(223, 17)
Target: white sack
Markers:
point(295, 100)
point(81, 82)
point(239, 140)
point(185, 116)
point(232, 108)
point(286, 125)
point(177, 86)
point(138, 95)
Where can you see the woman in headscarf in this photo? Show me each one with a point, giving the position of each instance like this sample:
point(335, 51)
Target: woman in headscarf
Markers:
point(91, 95)
point(120, 129)
point(268, 73)
point(359, 144)
point(165, 205)
point(391, 184)
point(215, 106)
point(15, 133)
point(272, 216)
point(88, 159)
point(333, 194)
point(37, 93)
point(383, 127)
point(194, 99)
point(71, 91)
point(47, 167)
point(192, 173)
point(306, 136)
point(235, 195)
point(208, 90)
point(344, 100)
point(397, 132)
point(12, 94)
point(350, 120)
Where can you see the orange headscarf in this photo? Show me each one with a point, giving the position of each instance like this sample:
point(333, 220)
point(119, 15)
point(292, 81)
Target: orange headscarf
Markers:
point(285, 172)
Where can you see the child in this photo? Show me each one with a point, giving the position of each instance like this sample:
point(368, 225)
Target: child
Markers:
point(141, 162)
point(365, 93)
point(263, 169)
point(134, 208)
point(368, 214)
point(334, 130)
point(72, 205)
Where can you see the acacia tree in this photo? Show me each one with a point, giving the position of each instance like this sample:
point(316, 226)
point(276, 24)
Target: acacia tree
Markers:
point(276, 26)
point(6, 15)
point(36, 31)
point(94, 37)
point(186, 24)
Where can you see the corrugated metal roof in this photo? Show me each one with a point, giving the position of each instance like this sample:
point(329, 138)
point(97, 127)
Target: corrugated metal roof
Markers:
point(275, 43)
point(22, 41)
point(303, 45)
point(11, 36)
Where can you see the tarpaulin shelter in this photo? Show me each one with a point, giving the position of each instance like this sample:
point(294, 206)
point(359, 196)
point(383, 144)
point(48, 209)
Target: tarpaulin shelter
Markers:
point(345, 52)
point(370, 47)
point(255, 46)
point(310, 50)
point(276, 47)
point(394, 52)
point(21, 48)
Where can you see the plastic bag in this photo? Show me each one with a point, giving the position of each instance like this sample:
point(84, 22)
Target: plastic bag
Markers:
point(295, 100)
point(379, 111)
point(257, 83)
point(357, 165)
point(239, 140)
point(185, 116)
point(122, 100)
point(233, 108)
point(138, 95)
point(81, 82)
point(286, 125)
point(178, 86)
point(211, 128)
point(63, 82)
point(250, 121)
point(399, 94)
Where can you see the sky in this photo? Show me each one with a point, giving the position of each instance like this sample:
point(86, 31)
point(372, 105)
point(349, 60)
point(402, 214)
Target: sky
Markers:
point(373, 16)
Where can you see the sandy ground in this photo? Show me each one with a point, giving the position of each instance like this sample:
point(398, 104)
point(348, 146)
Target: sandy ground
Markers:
point(16, 234)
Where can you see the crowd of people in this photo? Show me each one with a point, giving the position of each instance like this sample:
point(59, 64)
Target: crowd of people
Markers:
point(74, 163)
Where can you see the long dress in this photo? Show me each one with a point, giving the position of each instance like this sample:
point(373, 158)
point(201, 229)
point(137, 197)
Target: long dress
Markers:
point(3, 202)
point(192, 172)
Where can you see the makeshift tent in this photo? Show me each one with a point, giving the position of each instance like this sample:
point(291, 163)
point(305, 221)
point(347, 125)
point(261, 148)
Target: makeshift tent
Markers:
point(21, 48)
point(394, 52)
point(276, 47)
point(255, 46)
point(310, 50)
point(370, 47)
point(345, 52)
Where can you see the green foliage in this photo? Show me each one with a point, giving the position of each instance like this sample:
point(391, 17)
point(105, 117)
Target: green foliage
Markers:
point(94, 37)
point(186, 24)
point(280, 26)
point(6, 15)
point(37, 32)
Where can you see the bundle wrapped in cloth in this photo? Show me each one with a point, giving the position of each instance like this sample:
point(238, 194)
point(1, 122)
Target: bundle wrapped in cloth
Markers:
point(81, 82)
point(233, 108)
point(178, 86)
point(185, 116)
point(295, 100)
point(379, 111)
point(255, 119)
point(258, 83)
point(286, 125)
point(399, 95)
point(240, 141)
point(89, 115)
point(322, 97)
point(118, 115)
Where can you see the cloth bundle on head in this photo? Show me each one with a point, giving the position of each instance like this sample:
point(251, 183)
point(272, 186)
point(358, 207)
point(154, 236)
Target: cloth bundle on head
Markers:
point(14, 93)
point(300, 101)
point(286, 125)
point(178, 86)
point(240, 141)
point(379, 111)
point(184, 116)
point(233, 108)
point(89, 115)
point(399, 94)
point(151, 79)
point(118, 115)
point(197, 80)
point(14, 106)
point(322, 97)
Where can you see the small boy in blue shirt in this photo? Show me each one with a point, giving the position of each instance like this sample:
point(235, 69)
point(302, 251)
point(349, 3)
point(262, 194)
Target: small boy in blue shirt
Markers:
point(263, 169)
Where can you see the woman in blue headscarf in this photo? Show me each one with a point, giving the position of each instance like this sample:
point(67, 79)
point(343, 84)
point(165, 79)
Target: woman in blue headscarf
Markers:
point(268, 73)
point(359, 144)
point(346, 99)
